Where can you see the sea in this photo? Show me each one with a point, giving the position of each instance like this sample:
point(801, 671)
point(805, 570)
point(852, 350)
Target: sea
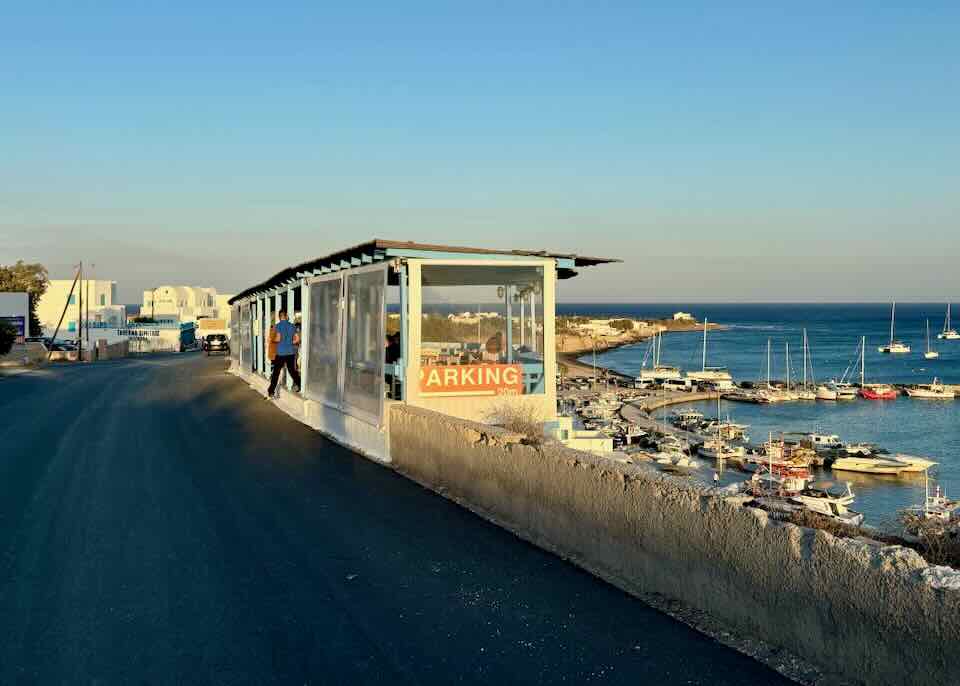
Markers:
point(929, 428)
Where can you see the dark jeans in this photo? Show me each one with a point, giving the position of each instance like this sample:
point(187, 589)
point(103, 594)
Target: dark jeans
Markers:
point(279, 362)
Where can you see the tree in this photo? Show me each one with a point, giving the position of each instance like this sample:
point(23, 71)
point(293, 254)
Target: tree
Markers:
point(26, 278)
point(622, 325)
point(7, 336)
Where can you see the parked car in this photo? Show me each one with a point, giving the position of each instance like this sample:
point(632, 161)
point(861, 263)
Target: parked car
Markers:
point(216, 343)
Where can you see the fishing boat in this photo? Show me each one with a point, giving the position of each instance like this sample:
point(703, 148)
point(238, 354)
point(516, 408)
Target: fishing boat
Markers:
point(873, 391)
point(931, 354)
point(948, 333)
point(868, 465)
point(931, 391)
point(717, 448)
point(709, 373)
point(894, 346)
point(936, 506)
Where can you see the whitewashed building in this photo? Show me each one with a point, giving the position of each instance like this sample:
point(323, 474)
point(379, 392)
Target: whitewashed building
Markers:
point(100, 306)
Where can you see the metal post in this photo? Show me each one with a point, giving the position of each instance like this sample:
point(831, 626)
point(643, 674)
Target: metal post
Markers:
point(404, 332)
point(509, 325)
point(304, 336)
point(80, 317)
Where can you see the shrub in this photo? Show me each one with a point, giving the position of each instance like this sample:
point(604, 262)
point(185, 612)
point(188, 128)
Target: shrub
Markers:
point(7, 337)
point(622, 325)
point(937, 541)
point(519, 418)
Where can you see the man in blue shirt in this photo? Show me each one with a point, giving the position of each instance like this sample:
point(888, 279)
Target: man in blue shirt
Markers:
point(286, 337)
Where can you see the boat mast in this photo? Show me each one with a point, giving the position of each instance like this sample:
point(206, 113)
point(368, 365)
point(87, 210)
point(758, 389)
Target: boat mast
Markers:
point(928, 335)
point(863, 358)
point(768, 363)
point(893, 318)
point(704, 344)
point(788, 364)
point(804, 359)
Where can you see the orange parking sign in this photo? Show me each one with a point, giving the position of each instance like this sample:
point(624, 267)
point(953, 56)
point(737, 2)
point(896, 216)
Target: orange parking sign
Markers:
point(471, 379)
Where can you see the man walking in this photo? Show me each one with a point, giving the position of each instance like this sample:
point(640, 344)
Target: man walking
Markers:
point(286, 337)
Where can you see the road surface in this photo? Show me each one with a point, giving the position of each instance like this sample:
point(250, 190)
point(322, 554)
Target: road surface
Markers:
point(160, 523)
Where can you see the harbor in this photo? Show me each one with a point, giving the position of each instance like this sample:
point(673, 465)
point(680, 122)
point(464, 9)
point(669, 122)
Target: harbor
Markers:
point(910, 423)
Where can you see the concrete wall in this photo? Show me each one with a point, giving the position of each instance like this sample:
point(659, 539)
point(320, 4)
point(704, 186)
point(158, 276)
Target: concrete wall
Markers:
point(864, 614)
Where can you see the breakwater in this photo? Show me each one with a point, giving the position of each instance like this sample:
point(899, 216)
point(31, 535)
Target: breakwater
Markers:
point(864, 613)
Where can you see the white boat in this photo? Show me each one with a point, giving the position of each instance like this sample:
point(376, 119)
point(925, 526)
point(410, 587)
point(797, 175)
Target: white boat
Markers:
point(824, 441)
point(827, 501)
point(912, 463)
point(931, 354)
point(948, 333)
point(894, 346)
point(709, 373)
point(869, 465)
point(717, 449)
point(855, 449)
point(936, 506)
point(826, 392)
point(931, 391)
point(659, 372)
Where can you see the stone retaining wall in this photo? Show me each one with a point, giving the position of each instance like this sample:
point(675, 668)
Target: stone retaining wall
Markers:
point(863, 613)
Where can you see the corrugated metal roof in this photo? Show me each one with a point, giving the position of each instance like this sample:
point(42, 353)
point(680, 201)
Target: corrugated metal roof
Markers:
point(378, 249)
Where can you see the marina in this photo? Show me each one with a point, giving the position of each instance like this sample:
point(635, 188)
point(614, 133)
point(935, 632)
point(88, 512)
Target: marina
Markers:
point(898, 427)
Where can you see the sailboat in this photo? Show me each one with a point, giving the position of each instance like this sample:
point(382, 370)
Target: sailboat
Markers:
point(931, 354)
point(659, 373)
point(948, 333)
point(806, 391)
point(894, 346)
point(709, 373)
point(874, 391)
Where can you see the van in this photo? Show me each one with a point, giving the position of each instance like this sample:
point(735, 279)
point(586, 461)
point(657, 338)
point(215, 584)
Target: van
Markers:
point(678, 385)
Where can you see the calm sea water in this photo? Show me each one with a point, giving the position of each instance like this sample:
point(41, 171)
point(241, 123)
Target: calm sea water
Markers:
point(928, 428)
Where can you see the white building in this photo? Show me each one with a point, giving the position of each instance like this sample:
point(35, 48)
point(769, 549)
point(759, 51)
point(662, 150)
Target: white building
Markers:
point(682, 317)
point(187, 303)
point(99, 301)
point(15, 310)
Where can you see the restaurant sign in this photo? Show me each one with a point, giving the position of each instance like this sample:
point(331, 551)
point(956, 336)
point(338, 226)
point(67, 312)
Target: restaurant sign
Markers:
point(466, 379)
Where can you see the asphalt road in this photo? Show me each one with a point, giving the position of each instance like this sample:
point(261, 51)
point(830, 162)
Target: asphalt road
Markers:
point(161, 523)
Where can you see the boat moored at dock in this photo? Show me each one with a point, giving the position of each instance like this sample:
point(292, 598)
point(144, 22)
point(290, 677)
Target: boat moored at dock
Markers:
point(931, 391)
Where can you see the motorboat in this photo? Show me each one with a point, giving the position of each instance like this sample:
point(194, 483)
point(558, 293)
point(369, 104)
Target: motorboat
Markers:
point(869, 465)
point(862, 449)
point(912, 463)
point(931, 391)
point(824, 441)
point(894, 346)
point(686, 418)
point(830, 502)
point(717, 449)
point(948, 333)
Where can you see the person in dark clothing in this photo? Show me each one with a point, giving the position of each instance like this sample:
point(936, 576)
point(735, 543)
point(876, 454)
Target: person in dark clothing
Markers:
point(286, 337)
point(393, 348)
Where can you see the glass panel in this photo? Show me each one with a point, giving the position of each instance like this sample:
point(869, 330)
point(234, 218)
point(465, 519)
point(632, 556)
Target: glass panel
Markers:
point(363, 376)
point(246, 340)
point(235, 342)
point(322, 381)
point(481, 330)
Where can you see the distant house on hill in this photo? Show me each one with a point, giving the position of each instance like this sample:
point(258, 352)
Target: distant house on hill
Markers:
point(682, 317)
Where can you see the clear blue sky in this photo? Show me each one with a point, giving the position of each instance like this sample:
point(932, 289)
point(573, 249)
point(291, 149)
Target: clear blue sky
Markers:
point(783, 153)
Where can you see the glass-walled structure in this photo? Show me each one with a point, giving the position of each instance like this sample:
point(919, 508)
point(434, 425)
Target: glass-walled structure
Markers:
point(457, 330)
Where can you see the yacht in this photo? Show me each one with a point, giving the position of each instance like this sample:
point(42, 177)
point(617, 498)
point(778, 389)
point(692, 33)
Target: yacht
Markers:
point(709, 373)
point(826, 392)
point(869, 465)
point(931, 391)
point(912, 463)
point(659, 373)
point(826, 499)
point(894, 346)
point(948, 333)
point(824, 441)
